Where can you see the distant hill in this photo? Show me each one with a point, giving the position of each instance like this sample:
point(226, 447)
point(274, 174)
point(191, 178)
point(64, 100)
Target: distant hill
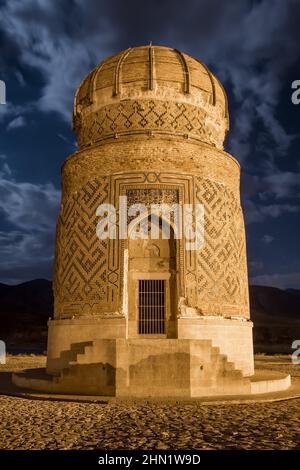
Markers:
point(275, 302)
point(25, 309)
point(276, 317)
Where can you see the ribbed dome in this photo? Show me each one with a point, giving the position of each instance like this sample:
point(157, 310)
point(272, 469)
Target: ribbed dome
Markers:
point(151, 89)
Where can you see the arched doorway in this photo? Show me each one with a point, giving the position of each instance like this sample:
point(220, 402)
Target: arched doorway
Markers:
point(152, 282)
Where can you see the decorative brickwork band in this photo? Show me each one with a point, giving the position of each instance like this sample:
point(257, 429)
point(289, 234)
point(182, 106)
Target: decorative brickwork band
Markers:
point(88, 281)
point(144, 116)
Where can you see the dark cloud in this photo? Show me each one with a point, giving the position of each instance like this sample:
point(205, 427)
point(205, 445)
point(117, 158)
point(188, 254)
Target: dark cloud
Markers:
point(30, 212)
point(251, 45)
point(256, 213)
point(270, 195)
point(29, 206)
point(255, 265)
point(280, 280)
point(63, 40)
point(26, 255)
point(16, 123)
point(267, 239)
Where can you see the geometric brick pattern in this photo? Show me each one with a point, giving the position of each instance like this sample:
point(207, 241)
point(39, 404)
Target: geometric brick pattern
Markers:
point(151, 88)
point(81, 258)
point(146, 116)
point(222, 285)
point(150, 121)
point(215, 278)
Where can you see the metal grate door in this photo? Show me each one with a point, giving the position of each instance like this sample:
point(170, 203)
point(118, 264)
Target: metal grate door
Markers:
point(152, 306)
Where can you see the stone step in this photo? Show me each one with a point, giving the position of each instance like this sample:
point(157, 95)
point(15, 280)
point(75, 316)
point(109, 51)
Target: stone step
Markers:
point(229, 366)
point(70, 355)
point(81, 346)
point(214, 368)
point(218, 360)
point(235, 374)
point(215, 350)
point(67, 356)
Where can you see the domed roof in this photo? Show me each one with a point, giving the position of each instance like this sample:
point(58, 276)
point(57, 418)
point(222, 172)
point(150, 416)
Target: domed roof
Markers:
point(148, 81)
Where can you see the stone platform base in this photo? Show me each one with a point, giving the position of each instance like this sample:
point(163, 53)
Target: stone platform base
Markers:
point(233, 337)
point(266, 377)
point(180, 368)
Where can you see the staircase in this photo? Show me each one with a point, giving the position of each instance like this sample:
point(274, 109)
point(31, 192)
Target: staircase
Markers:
point(210, 372)
point(69, 356)
point(141, 367)
point(218, 375)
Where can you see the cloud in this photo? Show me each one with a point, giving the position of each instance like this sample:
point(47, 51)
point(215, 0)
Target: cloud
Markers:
point(5, 170)
point(267, 239)
point(62, 40)
point(72, 143)
point(249, 44)
point(30, 211)
point(282, 281)
point(268, 49)
point(276, 210)
point(256, 213)
point(16, 123)
point(20, 78)
point(252, 212)
point(29, 206)
point(282, 184)
point(270, 195)
point(255, 265)
point(278, 185)
point(13, 112)
point(25, 256)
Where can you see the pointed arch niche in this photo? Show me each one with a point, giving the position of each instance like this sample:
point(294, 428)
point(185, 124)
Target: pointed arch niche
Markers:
point(150, 295)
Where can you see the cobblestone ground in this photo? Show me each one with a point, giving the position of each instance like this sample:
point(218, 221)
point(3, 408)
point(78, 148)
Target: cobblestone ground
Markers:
point(41, 424)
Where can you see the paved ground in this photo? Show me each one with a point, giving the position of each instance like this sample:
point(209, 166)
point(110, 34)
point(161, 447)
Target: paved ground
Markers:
point(41, 424)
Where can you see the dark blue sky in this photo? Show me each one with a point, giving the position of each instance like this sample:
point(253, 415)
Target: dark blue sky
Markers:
point(47, 47)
